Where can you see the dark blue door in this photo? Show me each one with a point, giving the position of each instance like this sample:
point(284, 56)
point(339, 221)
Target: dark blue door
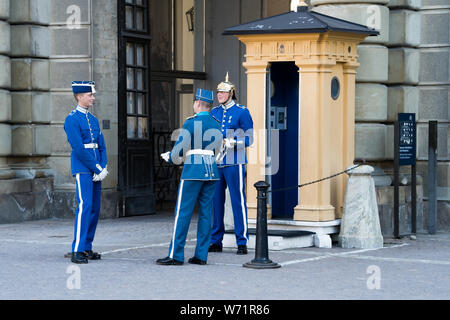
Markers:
point(285, 82)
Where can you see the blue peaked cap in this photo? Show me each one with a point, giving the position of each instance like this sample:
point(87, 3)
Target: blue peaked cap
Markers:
point(83, 87)
point(204, 95)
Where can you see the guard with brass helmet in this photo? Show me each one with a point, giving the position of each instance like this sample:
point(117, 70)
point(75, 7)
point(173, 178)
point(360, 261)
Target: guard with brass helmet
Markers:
point(237, 132)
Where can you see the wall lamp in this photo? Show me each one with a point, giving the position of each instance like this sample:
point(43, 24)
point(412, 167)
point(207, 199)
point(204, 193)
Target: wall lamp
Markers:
point(190, 19)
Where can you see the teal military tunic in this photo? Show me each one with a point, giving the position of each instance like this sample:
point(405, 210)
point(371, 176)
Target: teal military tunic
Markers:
point(198, 142)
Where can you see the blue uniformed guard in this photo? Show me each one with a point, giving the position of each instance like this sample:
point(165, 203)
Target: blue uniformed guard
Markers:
point(237, 131)
point(198, 142)
point(88, 166)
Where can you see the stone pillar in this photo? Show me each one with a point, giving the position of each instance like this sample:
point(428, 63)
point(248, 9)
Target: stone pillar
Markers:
point(348, 156)
point(105, 74)
point(434, 89)
point(70, 59)
point(5, 82)
point(30, 79)
point(314, 200)
point(360, 226)
point(256, 79)
point(5, 109)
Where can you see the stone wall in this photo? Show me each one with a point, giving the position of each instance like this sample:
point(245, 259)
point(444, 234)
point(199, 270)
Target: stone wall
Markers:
point(419, 82)
point(44, 46)
point(385, 200)
point(26, 182)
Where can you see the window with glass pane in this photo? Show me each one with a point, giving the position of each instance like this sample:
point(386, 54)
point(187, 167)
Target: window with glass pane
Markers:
point(161, 33)
point(137, 91)
point(175, 46)
point(163, 108)
point(136, 15)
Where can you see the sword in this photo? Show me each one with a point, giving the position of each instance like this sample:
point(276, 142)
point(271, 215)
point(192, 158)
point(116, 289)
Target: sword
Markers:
point(222, 152)
point(227, 146)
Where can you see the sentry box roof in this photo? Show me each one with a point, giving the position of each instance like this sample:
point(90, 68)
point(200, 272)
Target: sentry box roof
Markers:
point(302, 21)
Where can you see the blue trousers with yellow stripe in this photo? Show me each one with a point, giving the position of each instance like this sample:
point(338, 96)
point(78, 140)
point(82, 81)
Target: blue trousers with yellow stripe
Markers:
point(232, 177)
point(87, 213)
point(189, 192)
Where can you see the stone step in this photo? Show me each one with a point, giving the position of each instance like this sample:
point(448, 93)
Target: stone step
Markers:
point(276, 239)
point(12, 186)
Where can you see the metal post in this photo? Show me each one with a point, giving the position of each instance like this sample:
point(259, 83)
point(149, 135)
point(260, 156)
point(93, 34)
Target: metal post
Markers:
point(432, 179)
point(396, 182)
point(414, 189)
point(261, 260)
point(413, 200)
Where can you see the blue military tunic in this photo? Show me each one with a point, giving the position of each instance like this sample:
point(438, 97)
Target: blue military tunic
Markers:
point(88, 157)
point(236, 123)
point(87, 142)
point(197, 143)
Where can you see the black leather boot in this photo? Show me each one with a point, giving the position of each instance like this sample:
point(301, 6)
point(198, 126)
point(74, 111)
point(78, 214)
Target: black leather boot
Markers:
point(79, 257)
point(214, 248)
point(195, 260)
point(242, 249)
point(91, 255)
point(167, 261)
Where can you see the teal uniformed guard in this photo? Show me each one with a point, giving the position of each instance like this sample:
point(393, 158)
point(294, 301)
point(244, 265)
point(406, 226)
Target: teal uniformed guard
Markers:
point(198, 142)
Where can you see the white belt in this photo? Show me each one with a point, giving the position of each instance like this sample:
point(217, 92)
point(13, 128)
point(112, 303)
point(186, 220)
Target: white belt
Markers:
point(91, 146)
point(200, 152)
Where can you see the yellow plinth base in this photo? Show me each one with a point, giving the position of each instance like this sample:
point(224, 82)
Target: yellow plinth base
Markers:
point(313, 213)
point(252, 211)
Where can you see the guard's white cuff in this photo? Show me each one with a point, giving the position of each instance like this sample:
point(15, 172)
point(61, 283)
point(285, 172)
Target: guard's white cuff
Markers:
point(166, 156)
point(102, 175)
point(230, 143)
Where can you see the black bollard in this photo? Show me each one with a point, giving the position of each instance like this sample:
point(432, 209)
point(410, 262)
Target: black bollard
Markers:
point(261, 260)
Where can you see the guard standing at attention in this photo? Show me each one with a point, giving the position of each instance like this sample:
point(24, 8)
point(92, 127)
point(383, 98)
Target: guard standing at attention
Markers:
point(88, 166)
point(199, 140)
point(237, 131)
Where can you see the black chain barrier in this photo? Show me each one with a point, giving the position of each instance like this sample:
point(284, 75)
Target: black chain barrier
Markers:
point(268, 191)
point(316, 181)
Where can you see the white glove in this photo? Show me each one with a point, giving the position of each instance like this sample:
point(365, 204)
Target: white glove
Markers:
point(230, 143)
point(101, 176)
point(166, 156)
